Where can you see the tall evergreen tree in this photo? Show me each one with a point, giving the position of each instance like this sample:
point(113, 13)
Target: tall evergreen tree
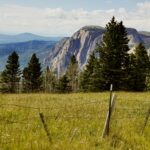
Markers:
point(10, 77)
point(113, 55)
point(32, 80)
point(139, 68)
point(132, 74)
point(72, 73)
point(96, 81)
point(86, 77)
point(63, 84)
point(148, 74)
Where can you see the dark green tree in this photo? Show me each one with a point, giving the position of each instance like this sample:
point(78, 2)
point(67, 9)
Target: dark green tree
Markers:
point(86, 77)
point(32, 80)
point(72, 73)
point(63, 85)
point(132, 74)
point(10, 77)
point(148, 74)
point(96, 81)
point(114, 55)
point(139, 68)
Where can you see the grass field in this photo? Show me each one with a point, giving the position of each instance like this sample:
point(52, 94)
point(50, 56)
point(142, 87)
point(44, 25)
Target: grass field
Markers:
point(75, 121)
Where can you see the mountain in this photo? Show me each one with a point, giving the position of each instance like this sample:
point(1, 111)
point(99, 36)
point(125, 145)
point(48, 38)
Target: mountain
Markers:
point(57, 54)
point(82, 43)
point(134, 37)
point(24, 37)
point(25, 50)
point(144, 33)
point(146, 38)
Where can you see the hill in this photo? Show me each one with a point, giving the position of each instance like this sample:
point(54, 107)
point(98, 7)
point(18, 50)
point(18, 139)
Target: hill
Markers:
point(25, 50)
point(24, 37)
point(144, 33)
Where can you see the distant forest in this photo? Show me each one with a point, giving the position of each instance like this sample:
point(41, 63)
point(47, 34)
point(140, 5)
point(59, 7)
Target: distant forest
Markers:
point(110, 63)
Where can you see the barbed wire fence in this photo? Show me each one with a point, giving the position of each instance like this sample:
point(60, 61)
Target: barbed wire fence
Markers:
point(130, 113)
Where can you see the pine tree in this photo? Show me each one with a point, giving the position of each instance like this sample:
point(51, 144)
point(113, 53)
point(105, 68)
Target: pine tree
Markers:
point(148, 75)
point(114, 55)
point(86, 77)
point(131, 83)
point(10, 77)
point(96, 81)
point(72, 73)
point(63, 85)
point(32, 75)
point(139, 66)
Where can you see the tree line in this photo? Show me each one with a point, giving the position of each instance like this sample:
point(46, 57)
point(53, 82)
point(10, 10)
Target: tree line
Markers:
point(110, 63)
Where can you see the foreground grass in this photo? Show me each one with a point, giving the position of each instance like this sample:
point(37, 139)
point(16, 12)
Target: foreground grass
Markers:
point(75, 121)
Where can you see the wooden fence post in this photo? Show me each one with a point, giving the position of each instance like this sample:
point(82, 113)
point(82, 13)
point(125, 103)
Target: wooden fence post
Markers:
point(45, 127)
point(146, 120)
point(109, 112)
point(108, 116)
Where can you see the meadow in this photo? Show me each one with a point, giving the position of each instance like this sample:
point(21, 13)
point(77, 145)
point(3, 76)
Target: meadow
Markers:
point(74, 121)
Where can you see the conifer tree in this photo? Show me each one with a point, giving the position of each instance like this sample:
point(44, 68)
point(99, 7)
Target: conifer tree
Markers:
point(32, 80)
point(10, 77)
point(72, 73)
point(63, 85)
point(139, 68)
point(86, 76)
point(148, 74)
point(114, 55)
point(96, 81)
point(132, 74)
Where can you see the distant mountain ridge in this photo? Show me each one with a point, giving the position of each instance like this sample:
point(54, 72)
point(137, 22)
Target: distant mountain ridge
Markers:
point(25, 45)
point(25, 50)
point(144, 33)
point(24, 37)
point(56, 53)
point(82, 43)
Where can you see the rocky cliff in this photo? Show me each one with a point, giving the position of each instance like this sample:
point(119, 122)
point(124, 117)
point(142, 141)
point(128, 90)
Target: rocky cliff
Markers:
point(81, 44)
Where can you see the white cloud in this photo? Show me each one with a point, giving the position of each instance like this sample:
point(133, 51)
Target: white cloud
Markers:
point(14, 18)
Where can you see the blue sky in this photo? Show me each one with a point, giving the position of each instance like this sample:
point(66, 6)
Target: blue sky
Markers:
point(74, 4)
point(64, 17)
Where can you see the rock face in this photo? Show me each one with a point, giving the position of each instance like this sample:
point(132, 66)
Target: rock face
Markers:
point(146, 39)
point(81, 44)
point(134, 37)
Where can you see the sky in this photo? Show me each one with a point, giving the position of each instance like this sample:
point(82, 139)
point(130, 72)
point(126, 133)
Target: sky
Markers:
point(64, 17)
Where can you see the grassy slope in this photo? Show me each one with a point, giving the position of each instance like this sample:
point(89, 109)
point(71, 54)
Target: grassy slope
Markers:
point(75, 122)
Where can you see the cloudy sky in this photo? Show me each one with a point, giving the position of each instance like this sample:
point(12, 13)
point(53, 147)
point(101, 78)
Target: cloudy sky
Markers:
point(64, 17)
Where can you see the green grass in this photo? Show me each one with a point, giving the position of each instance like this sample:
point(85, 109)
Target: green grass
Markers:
point(75, 121)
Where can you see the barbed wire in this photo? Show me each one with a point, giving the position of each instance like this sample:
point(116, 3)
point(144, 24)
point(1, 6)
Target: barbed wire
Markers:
point(52, 107)
point(88, 116)
point(56, 117)
point(127, 108)
point(131, 100)
point(99, 115)
point(65, 106)
point(12, 142)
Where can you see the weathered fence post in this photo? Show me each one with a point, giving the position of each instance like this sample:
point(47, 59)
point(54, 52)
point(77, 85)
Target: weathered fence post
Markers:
point(110, 101)
point(146, 120)
point(45, 127)
point(108, 116)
